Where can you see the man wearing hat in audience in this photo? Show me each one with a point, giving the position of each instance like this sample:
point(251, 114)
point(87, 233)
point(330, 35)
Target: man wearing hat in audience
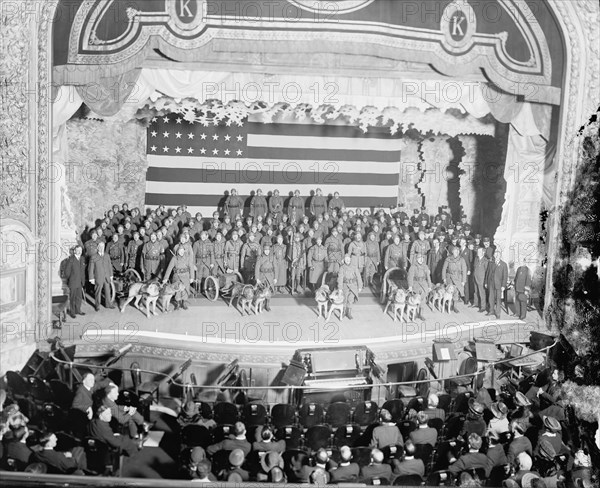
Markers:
point(522, 411)
point(376, 468)
point(495, 453)
point(270, 460)
point(351, 284)
point(520, 442)
point(498, 425)
point(552, 432)
point(454, 272)
point(496, 281)
point(474, 423)
point(386, 434)
point(473, 459)
point(236, 459)
point(237, 440)
point(346, 471)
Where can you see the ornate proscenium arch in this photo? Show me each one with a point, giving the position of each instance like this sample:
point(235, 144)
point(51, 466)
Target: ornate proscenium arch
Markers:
point(505, 41)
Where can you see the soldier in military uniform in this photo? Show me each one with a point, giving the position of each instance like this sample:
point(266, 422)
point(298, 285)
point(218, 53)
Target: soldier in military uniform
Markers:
point(435, 261)
point(393, 255)
point(203, 257)
point(358, 251)
point(233, 249)
point(297, 259)
point(276, 206)
point(234, 205)
point(488, 249)
point(250, 252)
point(351, 284)
point(116, 253)
point(419, 279)
point(151, 257)
point(134, 251)
point(318, 204)
point(335, 251)
point(373, 257)
point(467, 255)
point(183, 272)
point(454, 272)
point(405, 245)
point(296, 208)
point(419, 246)
point(184, 241)
point(279, 255)
point(258, 205)
point(218, 255)
point(317, 255)
point(266, 271)
point(91, 245)
point(336, 203)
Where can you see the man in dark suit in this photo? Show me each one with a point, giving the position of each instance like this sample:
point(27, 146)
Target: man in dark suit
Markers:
point(100, 430)
point(101, 275)
point(376, 469)
point(522, 290)
point(471, 460)
point(409, 465)
point(496, 281)
point(59, 462)
point(237, 441)
point(480, 265)
point(346, 472)
point(467, 256)
point(124, 415)
point(75, 277)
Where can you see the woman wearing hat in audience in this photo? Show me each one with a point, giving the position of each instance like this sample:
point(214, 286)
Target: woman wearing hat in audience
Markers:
point(474, 423)
point(268, 462)
point(236, 459)
point(552, 432)
point(498, 425)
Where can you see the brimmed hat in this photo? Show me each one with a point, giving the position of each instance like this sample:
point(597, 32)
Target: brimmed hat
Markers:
point(547, 450)
point(527, 479)
point(270, 460)
point(552, 424)
point(475, 408)
point(499, 409)
point(521, 400)
point(236, 457)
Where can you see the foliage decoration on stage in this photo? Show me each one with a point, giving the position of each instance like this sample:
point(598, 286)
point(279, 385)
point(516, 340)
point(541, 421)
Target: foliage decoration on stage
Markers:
point(429, 122)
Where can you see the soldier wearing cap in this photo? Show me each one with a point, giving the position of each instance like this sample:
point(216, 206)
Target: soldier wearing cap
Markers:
point(351, 284)
point(233, 248)
point(182, 270)
point(184, 242)
point(405, 245)
point(297, 260)
point(335, 250)
point(477, 240)
point(419, 279)
point(214, 228)
point(357, 251)
point(268, 236)
point(275, 206)
point(336, 203)
point(234, 205)
point(203, 257)
point(218, 255)
point(405, 228)
point(134, 251)
point(488, 248)
point(318, 204)
point(151, 257)
point(116, 253)
point(267, 271)
point(258, 205)
point(296, 208)
point(250, 253)
point(279, 255)
point(91, 245)
point(419, 246)
point(317, 256)
point(454, 272)
point(393, 255)
point(373, 257)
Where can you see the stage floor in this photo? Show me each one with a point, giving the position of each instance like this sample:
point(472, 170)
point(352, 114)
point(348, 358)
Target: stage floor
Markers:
point(213, 327)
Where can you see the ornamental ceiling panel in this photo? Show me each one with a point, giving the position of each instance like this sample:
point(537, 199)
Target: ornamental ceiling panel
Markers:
point(512, 43)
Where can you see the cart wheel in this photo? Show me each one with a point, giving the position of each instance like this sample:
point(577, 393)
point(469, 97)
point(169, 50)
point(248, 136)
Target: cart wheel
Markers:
point(211, 288)
point(132, 275)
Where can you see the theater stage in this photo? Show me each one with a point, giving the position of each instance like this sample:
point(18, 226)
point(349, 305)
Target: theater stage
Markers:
point(214, 332)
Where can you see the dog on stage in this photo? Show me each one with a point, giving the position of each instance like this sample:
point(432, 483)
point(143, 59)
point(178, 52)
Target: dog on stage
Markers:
point(413, 305)
point(336, 300)
point(246, 298)
point(262, 294)
point(448, 299)
point(151, 291)
point(436, 296)
point(397, 300)
point(322, 299)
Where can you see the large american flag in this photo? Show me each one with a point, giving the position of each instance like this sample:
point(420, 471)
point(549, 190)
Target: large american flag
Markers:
point(198, 165)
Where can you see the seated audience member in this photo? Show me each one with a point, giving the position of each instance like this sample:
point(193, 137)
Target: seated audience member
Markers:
point(59, 462)
point(13, 418)
point(473, 459)
point(124, 415)
point(267, 462)
point(276, 475)
point(237, 440)
point(203, 472)
point(424, 434)
point(191, 460)
point(322, 461)
point(432, 409)
point(474, 423)
point(319, 477)
point(546, 465)
point(495, 453)
point(267, 442)
point(376, 468)
point(236, 459)
point(409, 465)
point(524, 465)
point(190, 414)
point(16, 447)
point(347, 471)
point(386, 434)
point(552, 432)
point(99, 429)
point(520, 442)
point(84, 399)
point(498, 424)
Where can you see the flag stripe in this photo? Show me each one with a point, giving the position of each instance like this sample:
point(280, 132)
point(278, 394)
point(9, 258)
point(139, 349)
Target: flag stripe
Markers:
point(286, 167)
point(325, 131)
point(212, 202)
point(376, 146)
point(265, 178)
point(278, 153)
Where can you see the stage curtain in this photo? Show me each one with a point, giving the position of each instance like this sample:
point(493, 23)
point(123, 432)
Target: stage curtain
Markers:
point(65, 102)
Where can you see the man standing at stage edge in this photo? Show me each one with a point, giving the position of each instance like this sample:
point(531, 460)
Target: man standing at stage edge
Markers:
point(418, 278)
point(183, 271)
point(496, 281)
point(522, 289)
point(266, 271)
point(454, 273)
point(351, 284)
